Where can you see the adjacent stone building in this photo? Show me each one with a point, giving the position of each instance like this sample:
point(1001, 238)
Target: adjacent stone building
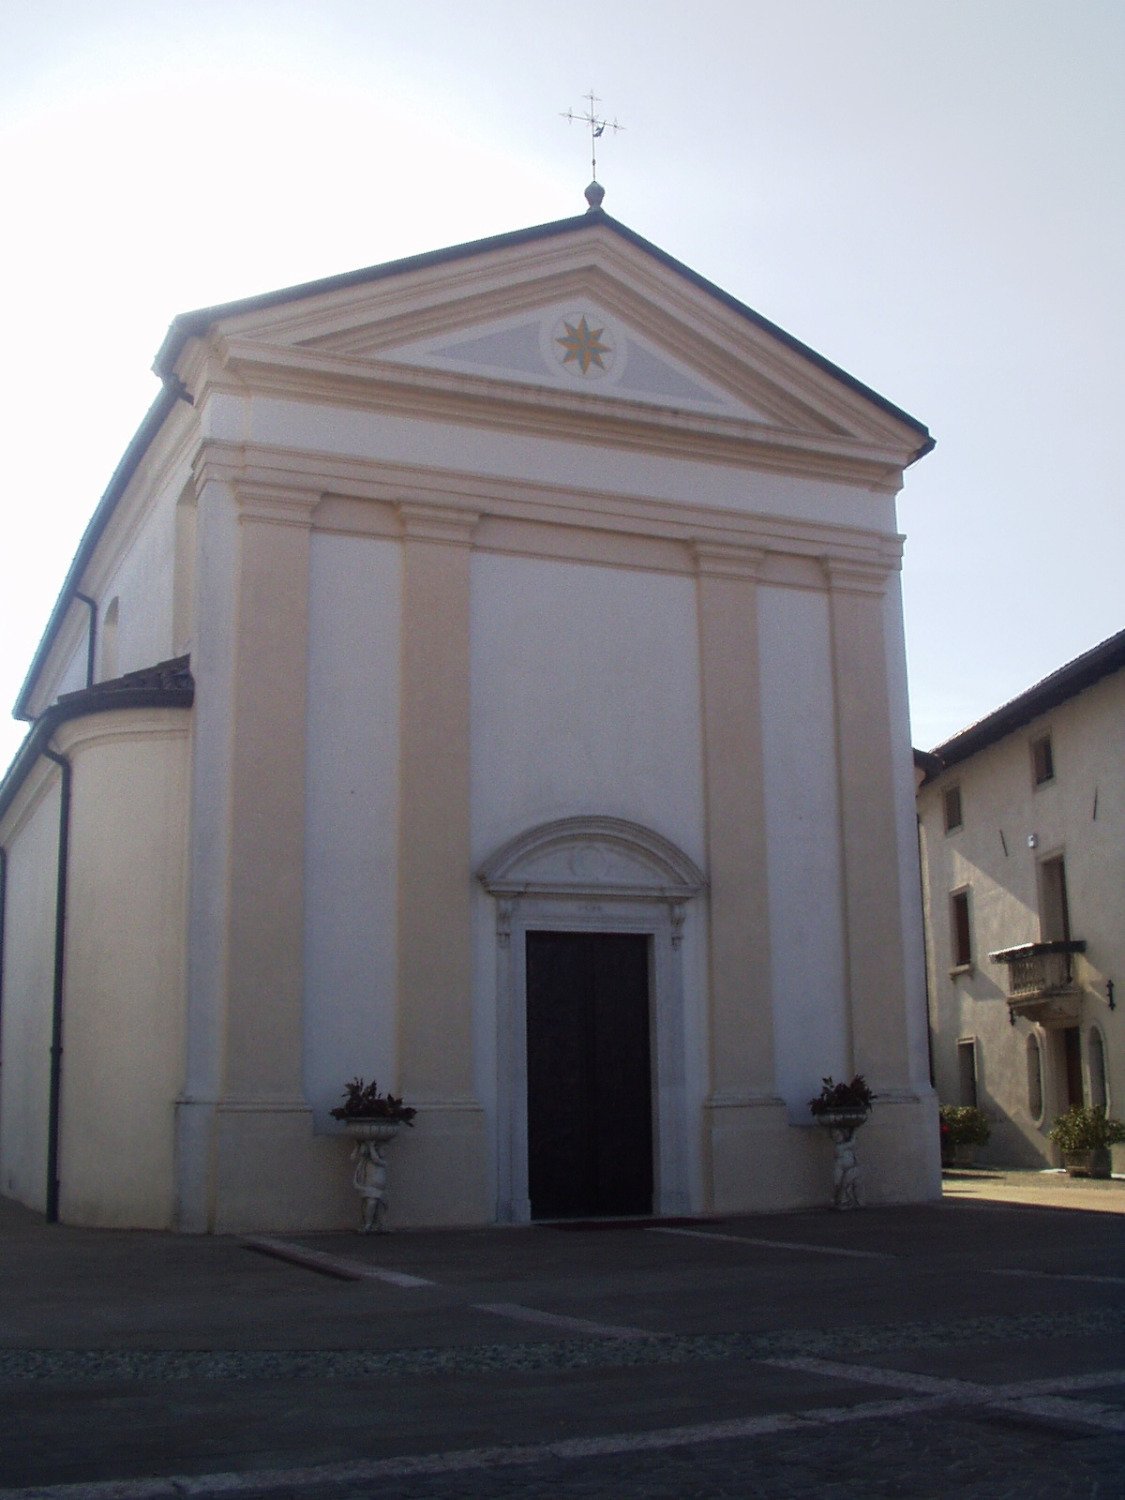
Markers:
point(485, 672)
point(1022, 821)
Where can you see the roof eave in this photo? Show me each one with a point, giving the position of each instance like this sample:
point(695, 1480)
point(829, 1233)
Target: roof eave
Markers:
point(1065, 683)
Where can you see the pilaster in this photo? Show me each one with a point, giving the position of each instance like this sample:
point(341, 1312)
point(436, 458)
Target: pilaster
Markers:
point(741, 1101)
point(868, 836)
point(447, 1151)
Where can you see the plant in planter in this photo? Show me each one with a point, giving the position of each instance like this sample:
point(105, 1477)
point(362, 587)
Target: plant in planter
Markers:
point(842, 1108)
point(363, 1101)
point(853, 1098)
point(1084, 1135)
point(372, 1120)
point(964, 1127)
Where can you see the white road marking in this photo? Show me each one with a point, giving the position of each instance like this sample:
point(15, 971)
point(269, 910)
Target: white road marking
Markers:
point(333, 1265)
point(895, 1380)
point(361, 1471)
point(742, 1239)
point(554, 1320)
point(1093, 1380)
point(1030, 1398)
point(1062, 1409)
point(1057, 1275)
point(1035, 1398)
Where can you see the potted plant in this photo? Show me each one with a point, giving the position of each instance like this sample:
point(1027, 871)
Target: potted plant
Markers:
point(842, 1103)
point(372, 1120)
point(842, 1108)
point(365, 1107)
point(964, 1127)
point(1084, 1135)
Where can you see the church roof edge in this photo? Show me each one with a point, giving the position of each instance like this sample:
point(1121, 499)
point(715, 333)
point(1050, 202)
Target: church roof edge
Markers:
point(192, 324)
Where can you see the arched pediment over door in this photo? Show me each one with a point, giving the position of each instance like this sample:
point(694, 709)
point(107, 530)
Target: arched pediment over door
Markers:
point(593, 874)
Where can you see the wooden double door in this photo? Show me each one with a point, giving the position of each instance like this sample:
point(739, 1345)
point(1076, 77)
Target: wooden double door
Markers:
point(589, 1075)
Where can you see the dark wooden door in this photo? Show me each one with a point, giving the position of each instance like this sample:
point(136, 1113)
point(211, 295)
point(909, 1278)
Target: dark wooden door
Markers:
point(589, 1075)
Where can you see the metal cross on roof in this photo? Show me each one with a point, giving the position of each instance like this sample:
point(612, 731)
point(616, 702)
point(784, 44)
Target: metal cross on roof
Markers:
point(598, 126)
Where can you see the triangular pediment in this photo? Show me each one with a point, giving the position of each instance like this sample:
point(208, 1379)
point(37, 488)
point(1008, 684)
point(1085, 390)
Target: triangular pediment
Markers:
point(575, 310)
point(568, 344)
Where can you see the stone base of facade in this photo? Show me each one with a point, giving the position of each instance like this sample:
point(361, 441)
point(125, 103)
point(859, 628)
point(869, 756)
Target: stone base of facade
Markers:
point(759, 1162)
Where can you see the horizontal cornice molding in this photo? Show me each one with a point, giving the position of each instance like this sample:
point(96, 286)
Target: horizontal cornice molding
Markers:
point(389, 490)
point(480, 401)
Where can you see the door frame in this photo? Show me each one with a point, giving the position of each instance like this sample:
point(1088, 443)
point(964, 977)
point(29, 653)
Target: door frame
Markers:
point(592, 874)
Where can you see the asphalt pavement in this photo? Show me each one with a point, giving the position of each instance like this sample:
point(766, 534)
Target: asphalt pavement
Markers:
point(970, 1347)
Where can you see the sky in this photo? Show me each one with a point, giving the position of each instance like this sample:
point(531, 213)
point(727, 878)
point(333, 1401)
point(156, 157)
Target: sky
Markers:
point(927, 192)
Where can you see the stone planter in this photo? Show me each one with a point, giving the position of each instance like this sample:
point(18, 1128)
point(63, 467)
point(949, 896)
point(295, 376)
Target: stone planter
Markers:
point(370, 1175)
point(1092, 1163)
point(842, 1125)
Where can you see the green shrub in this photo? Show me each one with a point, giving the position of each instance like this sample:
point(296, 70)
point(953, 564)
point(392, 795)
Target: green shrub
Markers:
point(964, 1125)
point(1086, 1128)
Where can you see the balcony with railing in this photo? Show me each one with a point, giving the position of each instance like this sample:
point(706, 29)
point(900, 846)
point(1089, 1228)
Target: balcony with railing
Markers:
point(1041, 980)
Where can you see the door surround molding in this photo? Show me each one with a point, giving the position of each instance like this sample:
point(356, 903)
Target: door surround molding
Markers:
point(591, 874)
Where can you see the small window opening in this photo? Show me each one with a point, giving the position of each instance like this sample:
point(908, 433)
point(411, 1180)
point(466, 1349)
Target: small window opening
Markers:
point(1034, 1078)
point(1042, 760)
point(109, 641)
point(951, 803)
point(960, 930)
point(1054, 908)
point(967, 1073)
point(1095, 1052)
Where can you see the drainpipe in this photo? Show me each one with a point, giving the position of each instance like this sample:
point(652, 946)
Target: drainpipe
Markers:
point(91, 635)
point(3, 908)
point(55, 1096)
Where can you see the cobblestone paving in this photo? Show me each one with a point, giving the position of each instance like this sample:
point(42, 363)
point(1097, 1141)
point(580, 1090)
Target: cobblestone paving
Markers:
point(72, 1366)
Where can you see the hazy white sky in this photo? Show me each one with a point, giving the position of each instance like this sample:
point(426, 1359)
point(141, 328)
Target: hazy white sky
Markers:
point(929, 192)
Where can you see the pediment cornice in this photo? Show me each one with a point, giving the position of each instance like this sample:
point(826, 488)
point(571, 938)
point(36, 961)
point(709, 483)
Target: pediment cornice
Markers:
point(240, 366)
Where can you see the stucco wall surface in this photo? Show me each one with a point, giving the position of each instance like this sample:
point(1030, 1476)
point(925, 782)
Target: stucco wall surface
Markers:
point(352, 816)
point(811, 1032)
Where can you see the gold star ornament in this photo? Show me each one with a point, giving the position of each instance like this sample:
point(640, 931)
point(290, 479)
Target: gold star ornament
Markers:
point(583, 345)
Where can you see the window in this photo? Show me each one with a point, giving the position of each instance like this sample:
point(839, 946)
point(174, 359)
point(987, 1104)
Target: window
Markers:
point(1034, 1078)
point(109, 641)
point(951, 806)
point(1095, 1053)
point(967, 1072)
point(1054, 909)
point(960, 930)
point(1042, 760)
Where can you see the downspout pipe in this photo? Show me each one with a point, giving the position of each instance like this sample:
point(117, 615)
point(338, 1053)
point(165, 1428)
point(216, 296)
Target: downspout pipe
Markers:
point(91, 635)
point(54, 1105)
point(3, 914)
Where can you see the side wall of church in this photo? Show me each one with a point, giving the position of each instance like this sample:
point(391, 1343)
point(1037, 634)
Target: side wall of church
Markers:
point(123, 1027)
point(141, 579)
point(30, 835)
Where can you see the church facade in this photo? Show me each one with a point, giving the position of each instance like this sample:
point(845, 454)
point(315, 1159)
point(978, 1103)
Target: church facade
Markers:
point(484, 672)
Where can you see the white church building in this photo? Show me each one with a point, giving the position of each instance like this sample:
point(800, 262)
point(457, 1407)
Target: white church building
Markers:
point(484, 672)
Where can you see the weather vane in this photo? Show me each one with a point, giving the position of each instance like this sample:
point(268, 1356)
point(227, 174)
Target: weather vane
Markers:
point(598, 126)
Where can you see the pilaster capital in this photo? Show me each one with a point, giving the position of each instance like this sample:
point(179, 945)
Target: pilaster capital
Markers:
point(448, 524)
point(848, 576)
point(278, 504)
point(259, 492)
point(728, 560)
